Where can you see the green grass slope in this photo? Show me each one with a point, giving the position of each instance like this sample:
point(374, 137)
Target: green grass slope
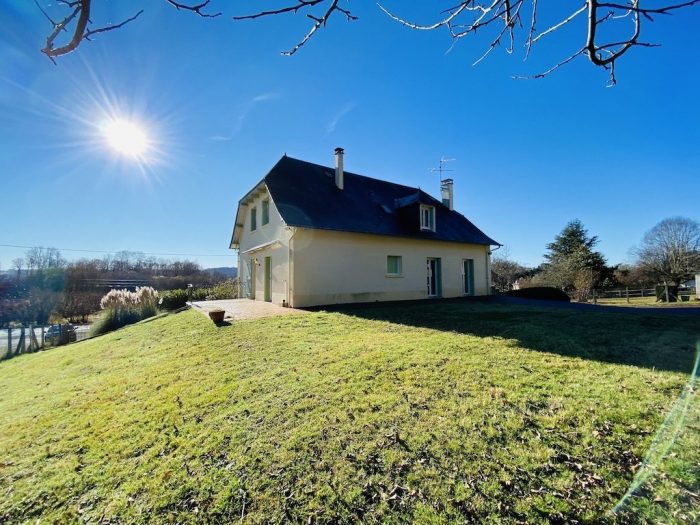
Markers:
point(436, 413)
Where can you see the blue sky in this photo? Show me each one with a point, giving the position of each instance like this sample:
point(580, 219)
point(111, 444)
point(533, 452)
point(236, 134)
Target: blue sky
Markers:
point(222, 105)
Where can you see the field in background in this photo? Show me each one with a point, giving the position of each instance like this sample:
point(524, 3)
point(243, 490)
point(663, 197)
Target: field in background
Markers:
point(433, 413)
point(646, 302)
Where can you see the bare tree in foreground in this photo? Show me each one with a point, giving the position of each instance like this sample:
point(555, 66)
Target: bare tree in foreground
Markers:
point(671, 250)
point(608, 29)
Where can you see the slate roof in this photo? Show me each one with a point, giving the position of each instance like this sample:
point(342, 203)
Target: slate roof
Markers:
point(306, 196)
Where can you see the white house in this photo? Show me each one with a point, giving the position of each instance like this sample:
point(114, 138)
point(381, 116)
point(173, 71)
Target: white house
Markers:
point(311, 235)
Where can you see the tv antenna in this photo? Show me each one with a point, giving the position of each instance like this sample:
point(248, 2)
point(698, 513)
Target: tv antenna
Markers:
point(441, 167)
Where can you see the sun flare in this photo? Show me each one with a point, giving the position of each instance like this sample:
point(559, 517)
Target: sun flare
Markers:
point(126, 137)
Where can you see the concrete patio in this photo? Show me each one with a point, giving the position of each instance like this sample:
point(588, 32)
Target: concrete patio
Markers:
point(239, 309)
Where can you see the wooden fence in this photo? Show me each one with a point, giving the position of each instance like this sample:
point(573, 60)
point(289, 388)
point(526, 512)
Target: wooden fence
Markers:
point(682, 295)
point(28, 339)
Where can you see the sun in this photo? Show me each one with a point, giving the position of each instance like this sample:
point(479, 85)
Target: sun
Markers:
point(126, 137)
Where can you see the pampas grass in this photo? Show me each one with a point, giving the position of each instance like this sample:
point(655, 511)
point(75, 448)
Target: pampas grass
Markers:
point(122, 307)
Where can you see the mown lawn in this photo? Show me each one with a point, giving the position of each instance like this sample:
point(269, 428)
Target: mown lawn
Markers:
point(430, 413)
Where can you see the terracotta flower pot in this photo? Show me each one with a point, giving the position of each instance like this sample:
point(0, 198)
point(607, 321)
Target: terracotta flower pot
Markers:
point(217, 315)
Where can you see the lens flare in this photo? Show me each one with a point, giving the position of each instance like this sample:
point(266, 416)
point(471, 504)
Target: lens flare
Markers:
point(126, 137)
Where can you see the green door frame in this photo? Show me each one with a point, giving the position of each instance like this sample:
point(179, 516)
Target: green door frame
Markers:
point(268, 279)
point(468, 276)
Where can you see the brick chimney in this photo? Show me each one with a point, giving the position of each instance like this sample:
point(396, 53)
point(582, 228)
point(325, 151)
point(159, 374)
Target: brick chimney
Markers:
point(339, 175)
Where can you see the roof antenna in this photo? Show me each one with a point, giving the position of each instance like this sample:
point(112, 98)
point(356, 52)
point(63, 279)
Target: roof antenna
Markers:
point(446, 185)
point(441, 167)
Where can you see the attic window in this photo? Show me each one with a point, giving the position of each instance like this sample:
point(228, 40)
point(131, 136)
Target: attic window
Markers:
point(427, 217)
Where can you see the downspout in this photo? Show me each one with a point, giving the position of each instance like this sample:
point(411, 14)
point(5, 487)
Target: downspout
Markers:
point(488, 267)
point(290, 272)
point(238, 271)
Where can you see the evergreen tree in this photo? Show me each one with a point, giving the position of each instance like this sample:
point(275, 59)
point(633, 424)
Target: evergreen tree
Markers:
point(571, 258)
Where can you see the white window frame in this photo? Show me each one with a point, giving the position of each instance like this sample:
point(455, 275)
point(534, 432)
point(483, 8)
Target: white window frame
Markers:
point(400, 266)
point(430, 226)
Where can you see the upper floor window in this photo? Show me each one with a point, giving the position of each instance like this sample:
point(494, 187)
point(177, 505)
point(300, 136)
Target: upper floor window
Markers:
point(253, 219)
point(427, 217)
point(265, 212)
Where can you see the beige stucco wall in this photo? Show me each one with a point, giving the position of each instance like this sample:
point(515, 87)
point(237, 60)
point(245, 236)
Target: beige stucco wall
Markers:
point(337, 267)
point(275, 230)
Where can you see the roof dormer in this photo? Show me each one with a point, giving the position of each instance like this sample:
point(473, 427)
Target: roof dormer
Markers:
point(427, 217)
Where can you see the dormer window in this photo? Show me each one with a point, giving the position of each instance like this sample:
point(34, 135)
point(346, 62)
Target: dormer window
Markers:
point(427, 217)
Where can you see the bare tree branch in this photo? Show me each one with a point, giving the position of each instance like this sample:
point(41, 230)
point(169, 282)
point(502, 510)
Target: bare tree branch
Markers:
point(553, 68)
point(91, 32)
point(194, 8)
point(468, 16)
point(560, 24)
point(301, 4)
point(503, 18)
point(295, 8)
point(81, 9)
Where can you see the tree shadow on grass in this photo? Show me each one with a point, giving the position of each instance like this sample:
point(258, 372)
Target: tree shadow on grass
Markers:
point(651, 340)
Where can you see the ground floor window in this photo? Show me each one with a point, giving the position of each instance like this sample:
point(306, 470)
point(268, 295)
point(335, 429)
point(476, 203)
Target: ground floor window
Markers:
point(393, 265)
point(468, 276)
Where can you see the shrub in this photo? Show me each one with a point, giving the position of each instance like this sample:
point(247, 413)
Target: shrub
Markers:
point(200, 294)
point(225, 290)
point(173, 299)
point(543, 293)
point(122, 307)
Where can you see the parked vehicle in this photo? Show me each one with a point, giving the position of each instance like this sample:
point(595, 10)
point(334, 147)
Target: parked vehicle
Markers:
point(60, 334)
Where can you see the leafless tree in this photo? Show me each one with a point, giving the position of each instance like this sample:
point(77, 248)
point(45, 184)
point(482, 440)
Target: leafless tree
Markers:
point(607, 29)
point(671, 250)
point(505, 271)
point(41, 258)
point(633, 276)
point(18, 264)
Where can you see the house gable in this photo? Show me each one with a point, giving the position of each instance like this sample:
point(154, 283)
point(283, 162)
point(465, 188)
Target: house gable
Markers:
point(264, 228)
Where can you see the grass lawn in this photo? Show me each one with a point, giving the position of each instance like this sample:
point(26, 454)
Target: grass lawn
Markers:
point(431, 413)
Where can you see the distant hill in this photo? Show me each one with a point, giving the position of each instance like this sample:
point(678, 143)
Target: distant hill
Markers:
point(228, 271)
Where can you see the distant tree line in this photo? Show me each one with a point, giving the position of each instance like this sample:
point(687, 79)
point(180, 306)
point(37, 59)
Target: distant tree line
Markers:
point(43, 285)
point(669, 254)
